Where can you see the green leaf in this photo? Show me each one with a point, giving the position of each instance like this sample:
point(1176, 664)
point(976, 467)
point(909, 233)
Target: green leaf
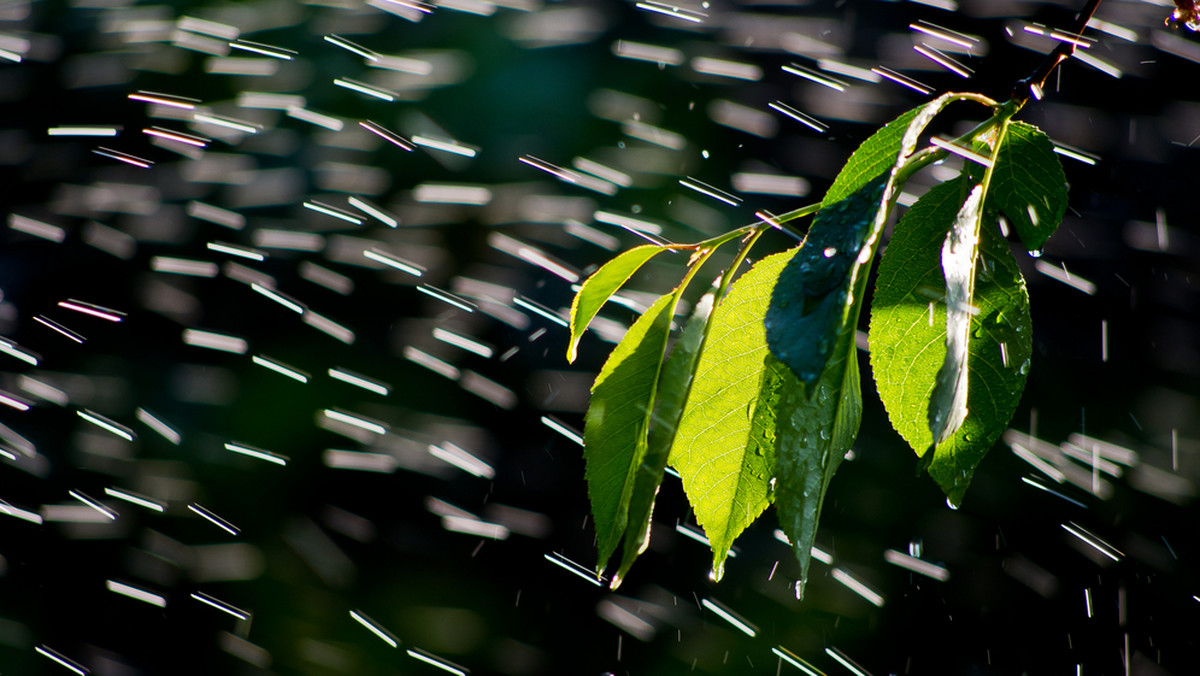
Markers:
point(603, 283)
point(908, 336)
point(812, 302)
point(673, 387)
point(1028, 184)
point(617, 422)
point(881, 150)
point(810, 326)
point(814, 433)
point(724, 445)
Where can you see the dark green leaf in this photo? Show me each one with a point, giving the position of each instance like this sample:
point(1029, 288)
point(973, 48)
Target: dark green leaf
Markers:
point(603, 283)
point(1028, 184)
point(810, 326)
point(724, 444)
point(617, 421)
point(816, 427)
point(812, 301)
point(908, 336)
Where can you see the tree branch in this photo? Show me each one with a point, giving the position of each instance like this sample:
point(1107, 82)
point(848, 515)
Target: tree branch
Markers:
point(1032, 85)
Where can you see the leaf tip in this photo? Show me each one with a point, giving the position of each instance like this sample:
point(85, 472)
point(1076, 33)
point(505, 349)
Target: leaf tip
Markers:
point(926, 460)
point(718, 570)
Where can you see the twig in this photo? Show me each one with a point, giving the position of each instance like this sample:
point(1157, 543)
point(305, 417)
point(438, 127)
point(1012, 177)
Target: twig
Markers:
point(1032, 85)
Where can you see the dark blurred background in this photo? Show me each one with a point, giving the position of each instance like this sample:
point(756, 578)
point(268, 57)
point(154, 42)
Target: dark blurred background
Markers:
point(435, 499)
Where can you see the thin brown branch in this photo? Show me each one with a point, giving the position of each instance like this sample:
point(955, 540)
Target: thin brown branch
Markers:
point(1033, 85)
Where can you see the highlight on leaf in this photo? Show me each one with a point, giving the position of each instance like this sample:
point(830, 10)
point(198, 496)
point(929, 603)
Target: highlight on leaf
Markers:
point(948, 403)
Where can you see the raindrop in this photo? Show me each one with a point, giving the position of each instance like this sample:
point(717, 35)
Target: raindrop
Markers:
point(830, 251)
point(1036, 253)
point(951, 504)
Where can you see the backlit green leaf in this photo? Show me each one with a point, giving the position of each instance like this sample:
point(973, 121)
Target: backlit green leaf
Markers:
point(673, 387)
point(724, 444)
point(908, 335)
point(1028, 184)
point(617, 421)
point(603, 283)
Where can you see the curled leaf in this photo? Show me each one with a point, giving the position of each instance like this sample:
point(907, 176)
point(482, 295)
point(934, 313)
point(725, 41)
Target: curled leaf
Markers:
point(948, 404)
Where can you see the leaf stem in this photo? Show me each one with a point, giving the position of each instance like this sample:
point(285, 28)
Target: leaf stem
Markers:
point(755, 231)
point(791, 215)
point(749, 228)
point(727, 278)
point(928, 155)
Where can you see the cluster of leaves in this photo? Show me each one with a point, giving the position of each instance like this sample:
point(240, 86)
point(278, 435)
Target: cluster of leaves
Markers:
point(757, 399)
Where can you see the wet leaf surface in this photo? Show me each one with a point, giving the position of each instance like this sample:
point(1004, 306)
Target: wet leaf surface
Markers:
point(908, 336)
